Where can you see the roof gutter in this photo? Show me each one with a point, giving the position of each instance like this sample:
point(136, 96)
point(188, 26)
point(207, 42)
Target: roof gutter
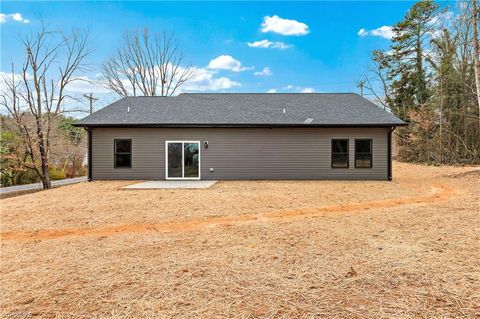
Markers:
point(233, 125)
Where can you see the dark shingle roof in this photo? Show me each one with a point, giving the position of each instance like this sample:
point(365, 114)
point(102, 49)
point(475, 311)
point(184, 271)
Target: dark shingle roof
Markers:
point(243, 109)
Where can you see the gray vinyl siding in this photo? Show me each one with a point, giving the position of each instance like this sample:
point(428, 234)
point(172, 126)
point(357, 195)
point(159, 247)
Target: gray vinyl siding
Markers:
point(241, 153)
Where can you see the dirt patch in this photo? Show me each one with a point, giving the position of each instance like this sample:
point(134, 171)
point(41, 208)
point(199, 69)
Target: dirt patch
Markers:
point(103, 204)
point(438, 193)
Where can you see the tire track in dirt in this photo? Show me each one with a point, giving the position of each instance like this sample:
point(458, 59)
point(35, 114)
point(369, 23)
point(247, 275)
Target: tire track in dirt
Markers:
point(438, 193)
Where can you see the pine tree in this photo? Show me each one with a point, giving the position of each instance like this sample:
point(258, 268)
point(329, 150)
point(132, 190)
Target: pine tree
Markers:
point(408, 52)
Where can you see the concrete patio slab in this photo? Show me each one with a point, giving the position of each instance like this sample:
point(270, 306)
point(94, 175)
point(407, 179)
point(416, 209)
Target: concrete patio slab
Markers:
point(171, 184)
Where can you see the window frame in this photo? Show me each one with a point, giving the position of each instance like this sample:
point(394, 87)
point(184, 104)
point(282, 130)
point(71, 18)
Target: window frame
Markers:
point(332, 152)
point(115, 153)
point(183, 142)
point(371, 152)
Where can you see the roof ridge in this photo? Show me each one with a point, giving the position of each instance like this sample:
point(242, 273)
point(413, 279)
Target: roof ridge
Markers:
point(235, 93)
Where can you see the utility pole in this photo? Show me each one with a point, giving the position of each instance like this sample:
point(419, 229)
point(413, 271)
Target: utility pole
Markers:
point(360, 85)
point(91, 99)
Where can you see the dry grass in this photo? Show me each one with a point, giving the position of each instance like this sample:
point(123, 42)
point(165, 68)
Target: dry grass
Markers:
point(409, 248)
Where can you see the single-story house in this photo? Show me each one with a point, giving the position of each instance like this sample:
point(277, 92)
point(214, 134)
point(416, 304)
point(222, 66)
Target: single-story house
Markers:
point(241, 136)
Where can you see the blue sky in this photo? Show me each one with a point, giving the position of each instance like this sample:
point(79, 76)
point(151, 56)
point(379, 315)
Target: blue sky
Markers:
point(310, 46)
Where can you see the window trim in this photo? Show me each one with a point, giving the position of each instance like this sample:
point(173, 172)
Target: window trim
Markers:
point(331, 152)
point(115, 153)
point(371, 152)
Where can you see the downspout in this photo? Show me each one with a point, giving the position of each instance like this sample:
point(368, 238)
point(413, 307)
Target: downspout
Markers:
point(389, 150)
point(89, 155)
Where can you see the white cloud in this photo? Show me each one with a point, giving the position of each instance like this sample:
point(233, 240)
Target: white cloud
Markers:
point(388, 52)
point(13, 16)
point(84, 84)
point(444, 18)
point(205, 80)
point(436, 34)
point(284, 26)
point(265, 72)
point(307, 90)
point(8, 77)
point(81, 84)
point(268, 45)
point(440, 22)
point(227, 62)
point(385, 32)
point(299, 89)
point(272, 91)
point(362, 32)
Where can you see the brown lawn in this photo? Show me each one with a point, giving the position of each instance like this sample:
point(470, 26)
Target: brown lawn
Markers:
point(247, 249)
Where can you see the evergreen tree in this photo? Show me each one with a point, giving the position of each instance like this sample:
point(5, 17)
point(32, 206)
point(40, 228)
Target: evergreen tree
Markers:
point(408, 52)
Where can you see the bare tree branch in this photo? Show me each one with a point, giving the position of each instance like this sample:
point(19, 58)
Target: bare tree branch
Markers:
point(377, 73)
point(146, 65)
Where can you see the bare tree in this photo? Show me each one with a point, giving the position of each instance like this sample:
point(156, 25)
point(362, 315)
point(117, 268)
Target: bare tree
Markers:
point(147, 65)
point(35, 96)
point(376, 79)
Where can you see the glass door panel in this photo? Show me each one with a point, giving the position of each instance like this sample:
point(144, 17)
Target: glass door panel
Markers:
point(174, 168)
point(183, 160)
point(191, 159)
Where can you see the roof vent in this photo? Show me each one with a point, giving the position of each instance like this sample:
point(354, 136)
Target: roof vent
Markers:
point(308, 121)
point(128, 109)
point(284, 111)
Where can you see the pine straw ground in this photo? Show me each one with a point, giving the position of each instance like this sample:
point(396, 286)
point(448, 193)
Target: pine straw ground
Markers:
point(285, 249)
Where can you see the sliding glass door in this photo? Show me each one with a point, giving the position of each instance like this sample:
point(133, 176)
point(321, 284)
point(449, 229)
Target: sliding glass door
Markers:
point(183, 160)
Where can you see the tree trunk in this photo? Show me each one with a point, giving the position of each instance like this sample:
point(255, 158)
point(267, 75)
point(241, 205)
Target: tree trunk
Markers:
point(46, 183)
point(45, 173)
point(45, 177)
point(476, 52)
point(419, 76)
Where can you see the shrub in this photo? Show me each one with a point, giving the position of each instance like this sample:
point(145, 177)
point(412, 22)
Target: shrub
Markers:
point(26, 177)
point(56, 173)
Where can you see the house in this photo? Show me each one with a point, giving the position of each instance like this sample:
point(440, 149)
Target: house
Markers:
point(241, 136)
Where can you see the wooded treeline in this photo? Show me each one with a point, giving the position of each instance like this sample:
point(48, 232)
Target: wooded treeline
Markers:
point(66, 157)
point(427, 78)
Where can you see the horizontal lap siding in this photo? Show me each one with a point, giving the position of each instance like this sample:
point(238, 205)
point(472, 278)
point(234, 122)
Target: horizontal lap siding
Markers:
point(253, 153)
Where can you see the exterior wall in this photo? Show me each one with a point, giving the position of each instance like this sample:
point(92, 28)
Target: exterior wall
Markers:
point(241, 153)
